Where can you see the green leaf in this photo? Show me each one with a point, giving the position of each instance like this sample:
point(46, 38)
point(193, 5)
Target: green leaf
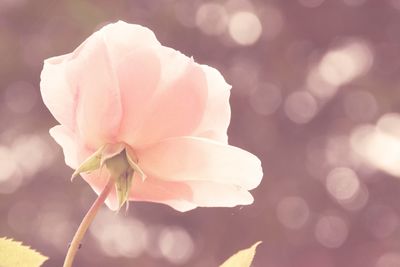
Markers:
point(13, 253)
point(242, 258)
point(90, 164)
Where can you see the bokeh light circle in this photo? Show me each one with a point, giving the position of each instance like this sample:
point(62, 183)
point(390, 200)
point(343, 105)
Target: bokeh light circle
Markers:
point(245, 28)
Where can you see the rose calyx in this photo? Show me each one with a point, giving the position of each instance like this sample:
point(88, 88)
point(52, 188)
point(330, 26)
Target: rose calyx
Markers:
point(120, 165)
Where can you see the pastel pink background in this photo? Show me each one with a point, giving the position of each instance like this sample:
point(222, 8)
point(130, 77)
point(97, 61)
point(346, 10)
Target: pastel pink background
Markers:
point(306, 74)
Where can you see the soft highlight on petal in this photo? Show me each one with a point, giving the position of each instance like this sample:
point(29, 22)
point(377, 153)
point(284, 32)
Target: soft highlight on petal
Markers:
point(138, 75)
point(193, 158)
point(67, 140)
point(184, 196)
point(213, 194)
point(160, 191)
point(217, 115)
point(99, 109)
point(56, 91)
point(176, 107)
point(122, 38)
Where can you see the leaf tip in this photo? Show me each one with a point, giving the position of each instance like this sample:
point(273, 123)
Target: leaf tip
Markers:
point(243, 258)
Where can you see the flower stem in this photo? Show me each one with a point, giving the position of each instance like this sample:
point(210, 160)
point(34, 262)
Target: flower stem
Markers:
point(87, 220)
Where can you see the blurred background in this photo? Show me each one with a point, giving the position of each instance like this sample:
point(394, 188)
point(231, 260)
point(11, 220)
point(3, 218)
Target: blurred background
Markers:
point(315, 95)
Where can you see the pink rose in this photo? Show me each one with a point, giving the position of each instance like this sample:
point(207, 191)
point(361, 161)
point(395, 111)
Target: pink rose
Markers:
point(121, 90)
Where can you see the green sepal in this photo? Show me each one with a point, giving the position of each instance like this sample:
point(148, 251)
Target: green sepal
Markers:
point(135, 166)
point(123, 185)
point(122, 173)
point(110, 151)
point(92, 163)
point(120, 165)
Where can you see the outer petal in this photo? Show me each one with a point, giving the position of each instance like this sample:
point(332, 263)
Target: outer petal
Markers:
point(200, 159)
point(138, 75)
point(175, 194)
point(178, 104)
point(122, 38)
point(217, 116)
point(56, 91)
point(67, 140)
point(64, 78)
point(184, 196)
point(98, 111)
point(210, 194)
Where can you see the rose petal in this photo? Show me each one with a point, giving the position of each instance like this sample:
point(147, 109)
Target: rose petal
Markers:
point(122, 38)
point(179, 205)
point(184, 196)
point(210, 194)
point(200, 159)
point(66, 139)
point(138, 75)
point(99, 109)
point(152, 190)
point(217, 116)
point(56, 92)
point(178, 195)
point(156, 190)
point(178, 106)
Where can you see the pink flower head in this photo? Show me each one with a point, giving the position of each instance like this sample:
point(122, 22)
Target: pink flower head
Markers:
point(121, 90)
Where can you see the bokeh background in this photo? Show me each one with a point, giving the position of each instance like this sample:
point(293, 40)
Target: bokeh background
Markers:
point(315, 95)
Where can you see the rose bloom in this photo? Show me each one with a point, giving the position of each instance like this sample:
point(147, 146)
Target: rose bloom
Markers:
point(122, 89)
